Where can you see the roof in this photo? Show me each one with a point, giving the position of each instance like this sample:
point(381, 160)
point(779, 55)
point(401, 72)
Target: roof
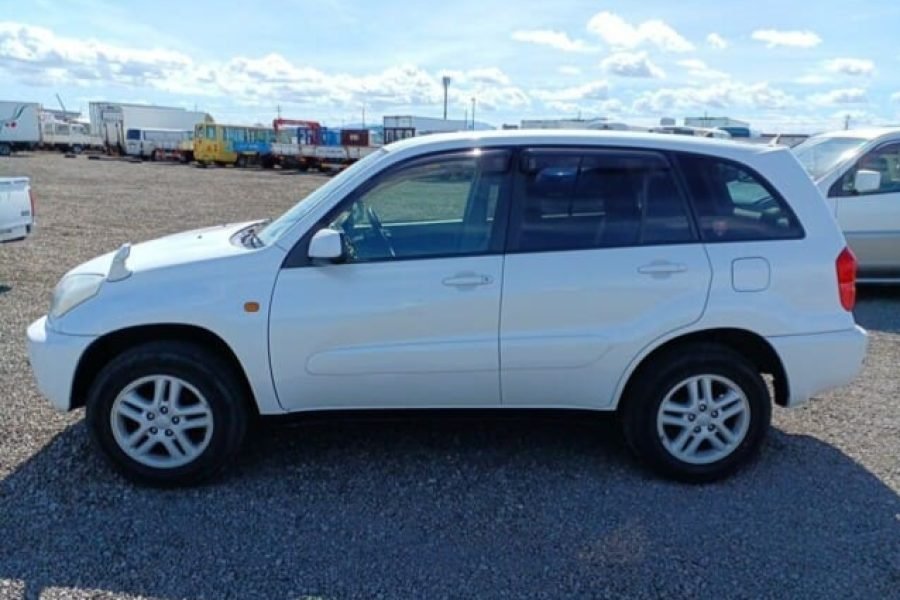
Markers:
point(568, 137)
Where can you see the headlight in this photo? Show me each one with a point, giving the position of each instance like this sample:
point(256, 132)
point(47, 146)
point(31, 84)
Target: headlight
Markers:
point(72, 290)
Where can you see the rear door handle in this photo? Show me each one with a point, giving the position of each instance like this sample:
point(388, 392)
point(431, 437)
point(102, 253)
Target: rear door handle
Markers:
point(660, 268)
point(468, 280)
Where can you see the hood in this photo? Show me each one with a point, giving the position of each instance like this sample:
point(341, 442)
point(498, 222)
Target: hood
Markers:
point(198, 245)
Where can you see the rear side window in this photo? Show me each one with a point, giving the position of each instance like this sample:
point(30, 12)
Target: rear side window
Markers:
point(572, 201)
point(734, 204)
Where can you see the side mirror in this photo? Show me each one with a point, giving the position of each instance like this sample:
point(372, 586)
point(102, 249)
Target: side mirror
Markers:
point(866, 181)
point(326, 244)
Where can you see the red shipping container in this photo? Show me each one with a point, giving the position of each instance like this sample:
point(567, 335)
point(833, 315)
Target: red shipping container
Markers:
point(354, 137)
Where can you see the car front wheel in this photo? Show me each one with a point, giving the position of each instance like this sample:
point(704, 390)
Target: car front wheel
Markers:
point(167, 413)
point(698, 414)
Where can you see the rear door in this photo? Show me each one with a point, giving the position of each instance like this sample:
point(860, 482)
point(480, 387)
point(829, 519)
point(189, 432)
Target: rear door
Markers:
point(871, 221)
point(602, 259)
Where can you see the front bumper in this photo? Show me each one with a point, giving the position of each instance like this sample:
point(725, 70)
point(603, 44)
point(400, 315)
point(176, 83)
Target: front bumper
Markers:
point(54, 358)
point(820, 362)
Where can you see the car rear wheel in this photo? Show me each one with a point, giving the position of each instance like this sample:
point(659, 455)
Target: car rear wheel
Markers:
point(167, 413)
point(698, 414)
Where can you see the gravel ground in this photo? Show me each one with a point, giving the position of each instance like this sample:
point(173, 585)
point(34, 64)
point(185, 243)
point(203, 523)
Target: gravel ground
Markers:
point(483, 507)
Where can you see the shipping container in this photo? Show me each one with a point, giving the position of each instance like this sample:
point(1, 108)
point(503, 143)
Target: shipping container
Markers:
point(354, 137)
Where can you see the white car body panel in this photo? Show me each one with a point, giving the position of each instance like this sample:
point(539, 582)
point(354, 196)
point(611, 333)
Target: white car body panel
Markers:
point(573, 320)
point(333, 347)
point(551, 329)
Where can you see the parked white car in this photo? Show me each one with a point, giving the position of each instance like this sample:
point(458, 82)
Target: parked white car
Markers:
point(658, 276)
point(858, 171)
point(16, 209)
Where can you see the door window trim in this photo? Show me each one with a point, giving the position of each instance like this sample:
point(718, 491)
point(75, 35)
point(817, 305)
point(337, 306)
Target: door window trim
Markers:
point(516, 208)
point(298, 257)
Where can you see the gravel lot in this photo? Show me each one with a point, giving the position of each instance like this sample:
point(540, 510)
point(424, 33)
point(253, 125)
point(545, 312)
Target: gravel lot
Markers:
point(514, 507)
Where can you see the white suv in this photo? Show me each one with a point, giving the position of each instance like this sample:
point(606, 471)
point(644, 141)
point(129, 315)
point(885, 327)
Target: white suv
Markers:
point(661, 277)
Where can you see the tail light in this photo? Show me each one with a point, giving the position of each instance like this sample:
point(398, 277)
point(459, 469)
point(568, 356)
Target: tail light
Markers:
point(846, 275)
point(31, 198)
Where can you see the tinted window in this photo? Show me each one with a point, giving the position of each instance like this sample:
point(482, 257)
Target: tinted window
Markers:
point(133, 134)
point(885, 161)
point(734, 204)
point(443, 206)
point(570, 201)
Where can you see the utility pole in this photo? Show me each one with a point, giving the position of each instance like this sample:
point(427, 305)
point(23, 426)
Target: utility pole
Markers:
point(847, 122)
point(364, 116)
point(473, 113)
point(445, 80)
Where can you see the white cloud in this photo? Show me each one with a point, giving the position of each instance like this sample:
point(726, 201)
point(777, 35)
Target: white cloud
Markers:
point(632, 64)
point(716, 41)
point(851, 66)
point(38, 56)
point(840, 96)
point(595, 90)
point(813, 79)
point(698, 69)
point(895, 97)
point(547, 37)
point(720, 95)
point(569, 70)
point(794, 38)
point(618, 33)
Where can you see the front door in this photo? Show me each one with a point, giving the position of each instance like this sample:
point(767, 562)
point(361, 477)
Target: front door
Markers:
point(602, 260)
point(409, 318)
point(871, 221)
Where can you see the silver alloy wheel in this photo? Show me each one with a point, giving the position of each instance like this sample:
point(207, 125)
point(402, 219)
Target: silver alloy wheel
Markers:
point(161, 421)
point(703, 419)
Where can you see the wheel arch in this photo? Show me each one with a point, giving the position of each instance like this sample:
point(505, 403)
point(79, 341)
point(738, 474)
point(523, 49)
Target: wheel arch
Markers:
point(104, 348)
point(751, 345)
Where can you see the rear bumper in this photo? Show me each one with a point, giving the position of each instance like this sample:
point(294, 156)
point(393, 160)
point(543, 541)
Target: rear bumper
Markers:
point(54, 358)
point(817, 363)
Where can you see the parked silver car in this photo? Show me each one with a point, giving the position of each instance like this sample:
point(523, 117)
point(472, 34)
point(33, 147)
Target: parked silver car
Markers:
point(858, 171)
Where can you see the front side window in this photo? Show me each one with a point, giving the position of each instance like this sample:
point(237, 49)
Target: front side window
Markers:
point(885, 161)
point(573, 201)
point(133, 134)
point(734, 204)
point(211, 132)
point(443, 206)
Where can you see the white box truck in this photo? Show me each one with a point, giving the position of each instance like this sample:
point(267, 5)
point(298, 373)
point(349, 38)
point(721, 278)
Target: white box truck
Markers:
point(20, 126)
point(112, 120)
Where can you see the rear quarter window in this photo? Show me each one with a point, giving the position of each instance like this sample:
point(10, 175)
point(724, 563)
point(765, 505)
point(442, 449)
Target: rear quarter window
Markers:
point(734, 203)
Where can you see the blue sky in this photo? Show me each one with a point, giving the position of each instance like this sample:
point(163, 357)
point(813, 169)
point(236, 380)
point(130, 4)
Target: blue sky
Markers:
point(781, 65)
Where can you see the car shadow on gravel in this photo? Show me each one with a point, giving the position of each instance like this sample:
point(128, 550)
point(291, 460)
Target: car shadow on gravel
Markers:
point(437, 507)
point(877, 308)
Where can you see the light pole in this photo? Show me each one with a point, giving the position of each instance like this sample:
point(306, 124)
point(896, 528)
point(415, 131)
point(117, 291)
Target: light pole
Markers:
point(473, 113)
point(446, 81)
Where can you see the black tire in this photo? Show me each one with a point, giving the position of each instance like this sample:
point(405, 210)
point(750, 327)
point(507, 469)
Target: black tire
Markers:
point(241, 162)
point(209, 374)
point(651, 384)
point(5, 149)
point(77, 149)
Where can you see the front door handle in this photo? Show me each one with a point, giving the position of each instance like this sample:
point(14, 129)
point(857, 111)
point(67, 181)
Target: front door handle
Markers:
point(468, 280)
point(661, 268)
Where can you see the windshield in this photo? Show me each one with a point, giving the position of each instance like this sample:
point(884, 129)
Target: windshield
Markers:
point(819, 155)
point(279, 226)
